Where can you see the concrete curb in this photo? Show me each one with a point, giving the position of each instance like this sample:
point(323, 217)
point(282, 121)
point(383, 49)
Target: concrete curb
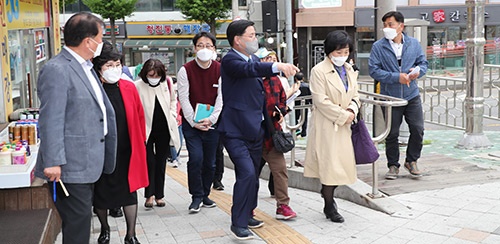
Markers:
point(356, 193)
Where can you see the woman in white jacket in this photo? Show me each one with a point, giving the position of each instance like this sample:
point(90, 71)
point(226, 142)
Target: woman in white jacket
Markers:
point(160, 109)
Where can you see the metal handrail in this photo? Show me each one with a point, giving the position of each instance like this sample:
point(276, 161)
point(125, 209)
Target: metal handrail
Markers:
point(302, 107)
point(388, 102)
point(366, 98)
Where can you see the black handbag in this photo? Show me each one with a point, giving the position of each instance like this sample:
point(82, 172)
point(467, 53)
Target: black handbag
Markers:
point(283, 141)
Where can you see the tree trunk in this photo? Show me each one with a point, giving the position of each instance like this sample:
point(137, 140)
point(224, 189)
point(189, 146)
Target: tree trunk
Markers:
point(113, 38)
point(213, 28)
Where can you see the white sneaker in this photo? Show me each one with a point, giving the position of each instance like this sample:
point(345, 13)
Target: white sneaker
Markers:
point(173, 164)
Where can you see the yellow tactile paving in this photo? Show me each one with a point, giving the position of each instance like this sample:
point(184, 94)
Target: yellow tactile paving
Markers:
point(273, 231)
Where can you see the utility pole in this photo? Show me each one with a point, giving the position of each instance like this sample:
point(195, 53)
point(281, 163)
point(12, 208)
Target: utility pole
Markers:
point(288, 33)
point(235, 8)
point(381, 8)
point(289, 47)
point(474, 137)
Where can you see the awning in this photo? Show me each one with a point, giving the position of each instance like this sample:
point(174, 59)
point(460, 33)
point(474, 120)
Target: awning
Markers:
point(155, 43)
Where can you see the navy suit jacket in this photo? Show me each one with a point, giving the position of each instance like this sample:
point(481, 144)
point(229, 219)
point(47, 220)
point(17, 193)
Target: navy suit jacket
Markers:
point(243, 96)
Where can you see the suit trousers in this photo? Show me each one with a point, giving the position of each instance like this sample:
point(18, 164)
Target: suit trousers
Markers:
point(219, 162)
point(75, 211)
point(201, 147)
point(246, 157)
point(277, 165)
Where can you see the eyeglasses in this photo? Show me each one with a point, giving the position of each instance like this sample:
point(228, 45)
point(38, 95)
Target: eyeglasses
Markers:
point(201, 46)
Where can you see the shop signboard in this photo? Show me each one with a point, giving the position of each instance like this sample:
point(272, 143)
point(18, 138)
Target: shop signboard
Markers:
point(448, 15)
point(320, 3)
point(27, 14)
point(171, 29)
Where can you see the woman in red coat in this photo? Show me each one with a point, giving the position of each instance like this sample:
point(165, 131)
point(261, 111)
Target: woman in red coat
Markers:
point(119, 188)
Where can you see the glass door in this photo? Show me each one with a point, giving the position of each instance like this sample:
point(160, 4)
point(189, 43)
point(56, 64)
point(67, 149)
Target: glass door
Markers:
point(27, 55)
point(41, 55)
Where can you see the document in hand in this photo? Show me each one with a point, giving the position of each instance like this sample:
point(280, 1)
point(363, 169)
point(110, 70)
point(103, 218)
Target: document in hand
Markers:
point(415, 70)
point(202, 111)
point(291, 99)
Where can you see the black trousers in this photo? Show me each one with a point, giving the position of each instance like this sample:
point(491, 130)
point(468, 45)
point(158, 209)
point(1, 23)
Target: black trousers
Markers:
point(219, 161)
point(75, 211)
point(157, 152)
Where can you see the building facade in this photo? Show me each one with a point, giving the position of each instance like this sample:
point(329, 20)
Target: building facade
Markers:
point(157, 29)
point(443, 38)
point(28, 41)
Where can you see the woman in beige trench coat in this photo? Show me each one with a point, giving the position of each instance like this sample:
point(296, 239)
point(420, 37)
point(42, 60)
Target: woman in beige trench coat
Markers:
point(329, 152)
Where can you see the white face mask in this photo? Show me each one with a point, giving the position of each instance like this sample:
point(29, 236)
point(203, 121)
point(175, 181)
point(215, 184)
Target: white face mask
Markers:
point(252, 46)
point(112, 75)
point(390, 33)
point(214, 56)
point(154, 81)
point(98, 50)
point(204, 54)
point(339, 61)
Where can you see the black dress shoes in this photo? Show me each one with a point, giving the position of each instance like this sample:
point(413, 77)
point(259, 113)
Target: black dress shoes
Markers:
point(218, 185)
point(334, 216)
point(104, 237)
point(115, 212)
point(131, 240)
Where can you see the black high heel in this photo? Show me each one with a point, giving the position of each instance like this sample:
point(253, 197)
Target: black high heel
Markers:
point(332, 213)
point(334, 216)
point(104, 237)
point(131, 240)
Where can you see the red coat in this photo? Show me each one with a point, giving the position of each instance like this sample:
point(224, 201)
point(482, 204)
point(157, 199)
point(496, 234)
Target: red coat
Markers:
point(138, 169)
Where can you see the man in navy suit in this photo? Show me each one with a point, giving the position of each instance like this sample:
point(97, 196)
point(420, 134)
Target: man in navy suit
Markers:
point(241, 120)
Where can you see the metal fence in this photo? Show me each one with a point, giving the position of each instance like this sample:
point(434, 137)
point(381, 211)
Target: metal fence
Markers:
point(443, 98)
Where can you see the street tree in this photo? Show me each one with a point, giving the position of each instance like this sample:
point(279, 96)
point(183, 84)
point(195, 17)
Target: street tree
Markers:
point(64, 3)
point(205, 11)
point(112, 10)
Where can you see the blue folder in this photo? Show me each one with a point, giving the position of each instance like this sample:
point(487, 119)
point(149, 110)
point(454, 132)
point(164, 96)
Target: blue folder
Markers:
point(202, 111)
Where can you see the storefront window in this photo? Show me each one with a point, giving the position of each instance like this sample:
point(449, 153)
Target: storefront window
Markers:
point(148, 5)
point(167, 5)
point(167, 58)
point(365, 41)
point(442, 2)
point(446, 50)
point(492, 47)
point(29, 51)
point(369, 3)
point(365, 37)
point(16, 67)
point(141, 5)
point(492, 32)
point(76, 7)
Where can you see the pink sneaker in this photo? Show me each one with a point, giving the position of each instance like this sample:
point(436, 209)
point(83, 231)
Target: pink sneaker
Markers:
point(285, 212)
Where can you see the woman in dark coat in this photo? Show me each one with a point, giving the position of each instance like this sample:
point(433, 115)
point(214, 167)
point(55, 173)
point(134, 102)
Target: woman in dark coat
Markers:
point(119, 188)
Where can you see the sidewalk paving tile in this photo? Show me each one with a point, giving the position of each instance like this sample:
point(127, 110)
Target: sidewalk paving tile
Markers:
point(471, 235)
point(448, 214)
